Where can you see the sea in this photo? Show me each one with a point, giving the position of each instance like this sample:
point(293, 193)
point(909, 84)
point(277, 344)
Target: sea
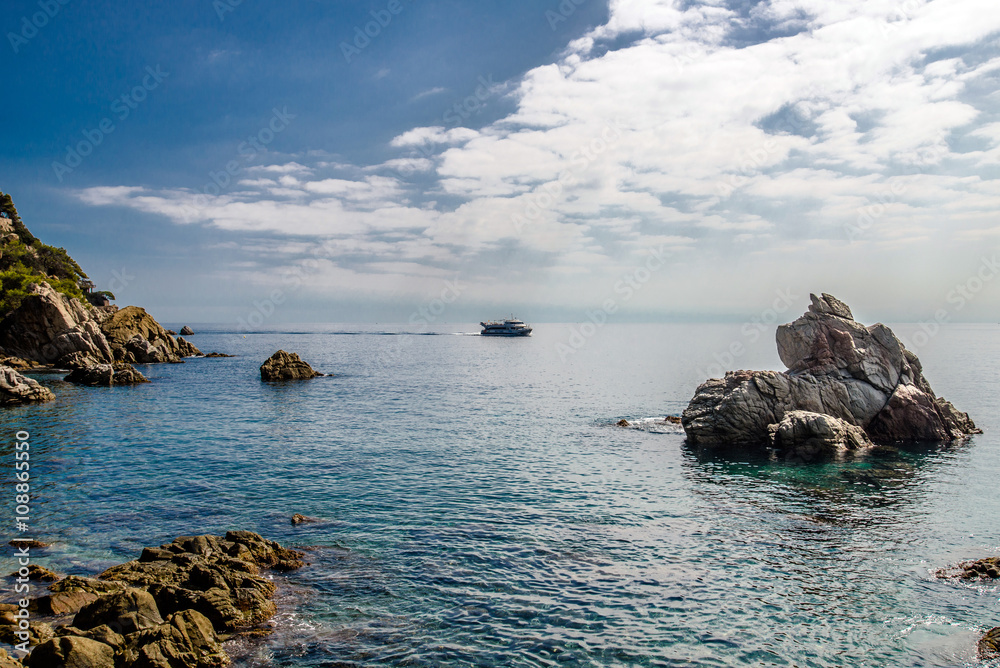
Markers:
point(477, 504)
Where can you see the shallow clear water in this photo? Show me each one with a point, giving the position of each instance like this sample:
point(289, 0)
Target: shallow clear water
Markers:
point(480, 508)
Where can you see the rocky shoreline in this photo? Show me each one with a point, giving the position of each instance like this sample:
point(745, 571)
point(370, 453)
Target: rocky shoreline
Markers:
point(170, 608)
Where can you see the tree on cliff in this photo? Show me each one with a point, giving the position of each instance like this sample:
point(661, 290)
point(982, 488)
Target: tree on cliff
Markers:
point(25, 260)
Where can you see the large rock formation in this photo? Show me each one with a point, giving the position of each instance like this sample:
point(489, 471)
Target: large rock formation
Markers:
point(49, 326)
point(136, 338)
point(17, 389)
point(169, 609)
point(286, 366)
point(52, 328)
point(838, 368)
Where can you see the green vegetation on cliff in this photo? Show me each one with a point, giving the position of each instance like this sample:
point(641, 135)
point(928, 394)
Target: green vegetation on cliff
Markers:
point(25, 260)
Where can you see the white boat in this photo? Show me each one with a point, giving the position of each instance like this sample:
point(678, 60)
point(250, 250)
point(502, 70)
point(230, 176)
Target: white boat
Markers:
point(507, 327)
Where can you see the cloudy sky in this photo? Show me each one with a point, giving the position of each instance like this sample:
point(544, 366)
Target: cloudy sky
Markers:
point(357, 160)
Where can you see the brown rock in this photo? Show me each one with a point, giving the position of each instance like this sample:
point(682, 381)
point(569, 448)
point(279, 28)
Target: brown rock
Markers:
point(125, 612)
point(622, 423)
point(286, 366)
point(7, 661)
point(302, 519)
point(186, 331)
point(71, 652)
point(135, 337)
point(186, 640)
point(186, 348)
point(989, 645)
point(38, 573)
point(32, 544)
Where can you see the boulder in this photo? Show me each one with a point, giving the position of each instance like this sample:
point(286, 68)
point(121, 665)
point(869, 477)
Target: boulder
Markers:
point(186, 331)
point(125, 612)
point(286, 366)
point(861, 376)
point(989, 645)
point(186, 640)
point(186, 348)
point(69, 595)
point(49, 325)
point(136, 338)
point(807, 436)
point(106, 375)
point(218, 577)
point(7, 661)
point(72, 652)
point(303, 519)
point(17, 389)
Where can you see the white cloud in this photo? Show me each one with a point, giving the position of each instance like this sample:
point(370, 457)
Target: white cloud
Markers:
point(673, 130)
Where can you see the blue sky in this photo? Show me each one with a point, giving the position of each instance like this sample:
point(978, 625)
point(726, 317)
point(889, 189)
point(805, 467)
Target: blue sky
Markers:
point(672, 159)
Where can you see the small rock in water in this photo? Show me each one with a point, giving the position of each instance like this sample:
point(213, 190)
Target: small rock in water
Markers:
point(186, 331)
point(623, 423)
point(302, 519)
point(39, 573)
point(673, 419)
point(31, 544)
point(286, 366)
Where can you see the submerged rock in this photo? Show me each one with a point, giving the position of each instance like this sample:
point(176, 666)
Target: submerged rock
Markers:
point(17, 389)
point(837, 367)
point(106, 375)
point(38, 573)
point(286, 366)
point(623, 423)
point(303, 519)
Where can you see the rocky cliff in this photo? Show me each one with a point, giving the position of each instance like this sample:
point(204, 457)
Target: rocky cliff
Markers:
point(839, 369)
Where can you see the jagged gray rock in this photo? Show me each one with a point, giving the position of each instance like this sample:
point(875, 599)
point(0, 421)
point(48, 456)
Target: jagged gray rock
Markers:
point(17, 389)
point(837, 367)
point(186, 331)
point(807, 436)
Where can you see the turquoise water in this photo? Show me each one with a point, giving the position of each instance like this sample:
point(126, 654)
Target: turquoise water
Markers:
point(480, 509)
